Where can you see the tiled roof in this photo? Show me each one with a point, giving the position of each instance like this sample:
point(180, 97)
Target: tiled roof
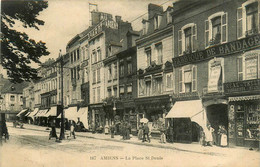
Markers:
point(16, 88)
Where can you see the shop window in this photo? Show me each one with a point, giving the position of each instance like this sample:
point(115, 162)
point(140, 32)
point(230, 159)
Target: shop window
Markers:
point(188, 79)
point(248, 66)
point(187, 38)
point(252, 120)
point(248, 18)
point(148, 56)
point(216, 29)
point(159, 53)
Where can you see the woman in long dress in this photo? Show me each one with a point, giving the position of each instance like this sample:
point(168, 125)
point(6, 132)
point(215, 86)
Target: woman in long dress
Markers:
point(140, 132)
point(223, 141)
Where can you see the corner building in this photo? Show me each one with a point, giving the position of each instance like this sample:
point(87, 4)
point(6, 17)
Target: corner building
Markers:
point(216, 63)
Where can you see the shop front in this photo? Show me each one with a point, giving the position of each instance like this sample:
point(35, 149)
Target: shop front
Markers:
point(187, 119)
point(97, 117)
point(154, 109)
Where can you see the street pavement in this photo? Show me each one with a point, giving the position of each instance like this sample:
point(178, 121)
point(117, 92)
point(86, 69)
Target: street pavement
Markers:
point(31, 147)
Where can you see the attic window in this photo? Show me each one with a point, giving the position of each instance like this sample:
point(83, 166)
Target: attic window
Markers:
point(12, 88)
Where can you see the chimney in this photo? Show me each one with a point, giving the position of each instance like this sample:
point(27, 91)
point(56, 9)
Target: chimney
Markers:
point(154, 9)
point(118, 18)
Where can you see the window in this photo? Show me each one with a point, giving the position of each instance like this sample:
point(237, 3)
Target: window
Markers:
point(94, 76)
point(12, 98)
point(129, 88)
point(71, 73)
point(216, 29)
point(109, 72)
point(98, 75)
point(157, 85)
point(169, 17)
point(148, 56)
point(115, 71)
point(99, 54)
point(188, 79)
point(109, 92)
point(248, 18)
point(248, 66)
point(75, 56)
point(78, 53)
point(98, 94)
point(148, 87)
point(78, 69)
point(129, 68)
point(21, 98)
point(169, 84)
point(158, 48)
point(122, 70)
point(71, 57)
point(94, 57)
point(121, 90)
point(187, 39)
point(94, 95)
point(156, 22)
point(115, 91)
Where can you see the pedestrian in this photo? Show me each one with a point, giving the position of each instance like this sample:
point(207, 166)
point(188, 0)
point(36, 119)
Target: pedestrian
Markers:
point(112, 130)
point(140, 131)
point(208, 135)
point(106, 129)
point(202, 137)
point(223, 140)
point(146, 133)
point(170, 134)
point(128, 130)
point(163, 136)
point(53, 131)
point(72, 129)
point(219, 135)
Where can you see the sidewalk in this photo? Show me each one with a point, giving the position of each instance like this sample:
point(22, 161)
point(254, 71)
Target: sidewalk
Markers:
point(193, 147)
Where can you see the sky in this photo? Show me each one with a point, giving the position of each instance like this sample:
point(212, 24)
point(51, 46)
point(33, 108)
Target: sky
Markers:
point(66, 18)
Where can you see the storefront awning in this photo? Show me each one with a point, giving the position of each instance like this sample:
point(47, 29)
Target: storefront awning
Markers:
point(71, 113)
point(21, 112)
point(52, 112)
point(83, 116)
point(32, 114)
point(26, 115)
point(243, 98)
point(192, 109)
point(42, 113)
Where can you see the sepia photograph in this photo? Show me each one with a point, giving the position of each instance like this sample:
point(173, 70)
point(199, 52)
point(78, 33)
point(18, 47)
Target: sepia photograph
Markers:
point(130, 83)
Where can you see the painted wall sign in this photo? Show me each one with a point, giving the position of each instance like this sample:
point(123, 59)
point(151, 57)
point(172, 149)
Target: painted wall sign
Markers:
point(214, 78)
point(224, 49)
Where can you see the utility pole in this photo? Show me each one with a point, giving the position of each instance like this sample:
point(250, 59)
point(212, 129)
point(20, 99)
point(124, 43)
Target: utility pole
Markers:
point(62, 136)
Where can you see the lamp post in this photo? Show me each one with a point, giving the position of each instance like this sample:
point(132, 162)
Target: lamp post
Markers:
point(62, 136)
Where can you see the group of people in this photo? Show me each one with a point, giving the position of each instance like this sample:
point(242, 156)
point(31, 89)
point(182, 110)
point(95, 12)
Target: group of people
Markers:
point(53, 133)
point(144, 133)
point(210, 137)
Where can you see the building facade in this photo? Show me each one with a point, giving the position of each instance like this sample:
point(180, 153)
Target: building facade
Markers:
point(216, 62)
point(154, 65)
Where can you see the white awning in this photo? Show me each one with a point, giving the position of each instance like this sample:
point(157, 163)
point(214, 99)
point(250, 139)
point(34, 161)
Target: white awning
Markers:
point(52, 112)
point(71, 113)
point(243, 98)
point(192, 109)
point(21, 112)
point(42, 113)
point(83, 116)
point(26, 115)
point(32, 114)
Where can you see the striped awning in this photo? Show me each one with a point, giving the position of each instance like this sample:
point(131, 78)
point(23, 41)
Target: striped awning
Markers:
point(21, 112)
point(243, 98)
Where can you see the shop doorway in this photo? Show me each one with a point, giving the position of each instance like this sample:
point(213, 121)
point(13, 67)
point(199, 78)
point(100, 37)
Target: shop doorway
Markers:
point(217, 115)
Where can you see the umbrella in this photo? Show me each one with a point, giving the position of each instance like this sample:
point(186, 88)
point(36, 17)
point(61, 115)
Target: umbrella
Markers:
point(144, 120)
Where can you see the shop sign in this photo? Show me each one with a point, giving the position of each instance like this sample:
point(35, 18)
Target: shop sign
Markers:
point(214, 78)
point(225, 49)
point(240, 86)
point(251, 66)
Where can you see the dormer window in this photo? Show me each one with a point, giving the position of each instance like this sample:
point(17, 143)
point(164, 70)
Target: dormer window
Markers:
point(169, 17)
point(145, 26)
point(247, 18)
point(156, 22)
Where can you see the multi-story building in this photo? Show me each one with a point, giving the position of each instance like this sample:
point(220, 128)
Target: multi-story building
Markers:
point(216, 61)
point(154, 64)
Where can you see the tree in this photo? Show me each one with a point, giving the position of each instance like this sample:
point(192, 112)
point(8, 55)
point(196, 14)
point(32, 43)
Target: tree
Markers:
point(18, 51)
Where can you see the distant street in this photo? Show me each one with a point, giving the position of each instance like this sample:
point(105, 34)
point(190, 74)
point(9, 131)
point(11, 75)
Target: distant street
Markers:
point(32, 148)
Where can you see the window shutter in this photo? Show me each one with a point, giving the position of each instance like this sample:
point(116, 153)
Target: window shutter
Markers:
point(206, 33)
point(258, 16)
point(224, 20)
point(180, 42)
point(180, 81)
point(194, 37)
point(240, 68)
point(239, 23)
point(194, 78)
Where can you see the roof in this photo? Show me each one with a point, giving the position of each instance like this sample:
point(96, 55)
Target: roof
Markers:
point(15, 88)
